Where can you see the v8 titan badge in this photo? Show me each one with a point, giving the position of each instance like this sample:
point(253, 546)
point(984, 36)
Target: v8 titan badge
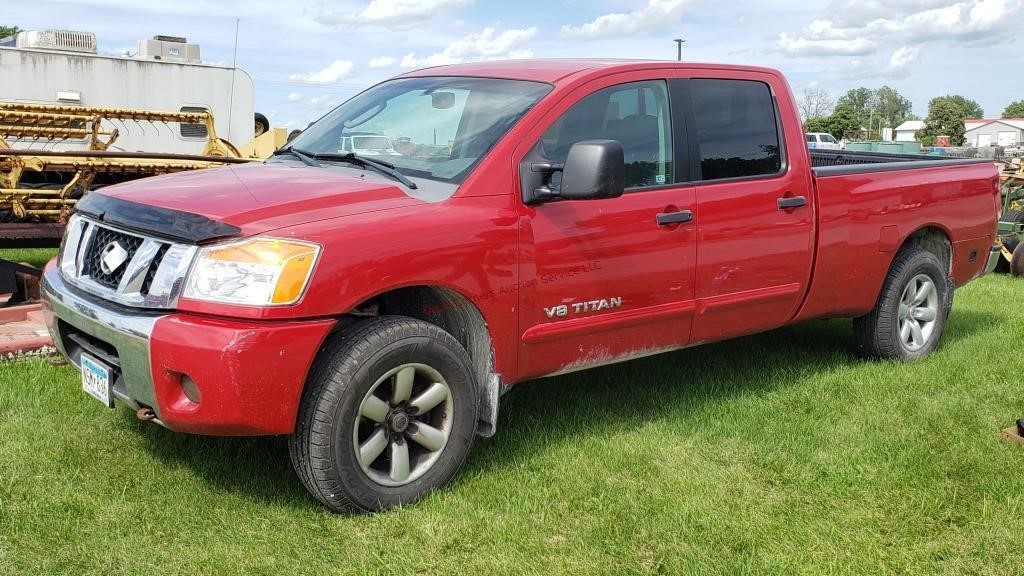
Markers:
point(564, 310)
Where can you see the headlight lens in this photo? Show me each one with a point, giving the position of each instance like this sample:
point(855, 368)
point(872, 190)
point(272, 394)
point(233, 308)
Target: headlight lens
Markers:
point(256, 272)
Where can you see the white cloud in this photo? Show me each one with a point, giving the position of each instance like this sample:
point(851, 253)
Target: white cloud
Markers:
point(381, 62)
point(336, 71)
point(655, 14)
point(861, 27)
point(482, 45)
point(396, 13)
point(898, 66)
point(815, 46)
point(293, 96)
point(325, 102)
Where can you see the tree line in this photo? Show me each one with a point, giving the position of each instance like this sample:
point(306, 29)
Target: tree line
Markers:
point(864, 113)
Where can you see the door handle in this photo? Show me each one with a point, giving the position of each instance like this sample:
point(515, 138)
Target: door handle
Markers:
point(791, 202)
point(680, 217)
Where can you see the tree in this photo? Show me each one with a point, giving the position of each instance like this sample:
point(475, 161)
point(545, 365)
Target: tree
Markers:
point(893, 108)
point(970, 108)
point(816, 103)
point(1014, 110)
point(945, 118)
point(860, 102)
point(6, 31)
point(818, 124)
point(843, 121)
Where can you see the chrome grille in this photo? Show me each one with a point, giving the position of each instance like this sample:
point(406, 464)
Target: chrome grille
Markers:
point(92, 261)
point(149, 274)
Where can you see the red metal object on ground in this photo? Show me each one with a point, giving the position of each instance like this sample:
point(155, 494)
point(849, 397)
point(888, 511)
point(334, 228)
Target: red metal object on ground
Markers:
point(23, 329)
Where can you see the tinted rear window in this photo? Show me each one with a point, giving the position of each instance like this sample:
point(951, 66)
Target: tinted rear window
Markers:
point(736, 129)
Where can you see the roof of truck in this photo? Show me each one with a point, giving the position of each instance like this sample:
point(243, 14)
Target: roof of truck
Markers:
point(554, 69)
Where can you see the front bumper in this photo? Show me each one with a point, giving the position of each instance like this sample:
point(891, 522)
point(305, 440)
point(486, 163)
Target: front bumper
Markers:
point(249, 374)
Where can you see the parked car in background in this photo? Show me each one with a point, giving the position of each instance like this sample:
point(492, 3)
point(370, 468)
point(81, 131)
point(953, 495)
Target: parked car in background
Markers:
point(369, 145)
point(585, 212)
point(1014, 151)
point(822, 141)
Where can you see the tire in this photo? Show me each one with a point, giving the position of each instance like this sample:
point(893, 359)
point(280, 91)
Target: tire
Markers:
point(888, 331)
point(1016, 217)
point(260, 124)
point(1017, 262)
point(342, 415)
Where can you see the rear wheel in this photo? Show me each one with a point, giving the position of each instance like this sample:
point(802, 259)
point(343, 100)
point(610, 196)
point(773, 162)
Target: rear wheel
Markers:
point(389, 414)
point(910, 315)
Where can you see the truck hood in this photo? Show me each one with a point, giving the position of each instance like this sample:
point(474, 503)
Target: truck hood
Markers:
point(261, 197)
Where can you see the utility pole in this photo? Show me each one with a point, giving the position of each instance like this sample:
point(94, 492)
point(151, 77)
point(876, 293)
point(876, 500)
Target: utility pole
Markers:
point(679, 48)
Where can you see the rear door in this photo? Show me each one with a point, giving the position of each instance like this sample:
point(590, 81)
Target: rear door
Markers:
point(755, 206)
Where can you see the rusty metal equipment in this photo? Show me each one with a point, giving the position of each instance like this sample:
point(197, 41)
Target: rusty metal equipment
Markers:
point(52, 155)
point(42, 179)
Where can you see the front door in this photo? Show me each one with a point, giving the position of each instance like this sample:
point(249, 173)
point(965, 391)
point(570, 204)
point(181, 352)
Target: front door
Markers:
point(602, 280)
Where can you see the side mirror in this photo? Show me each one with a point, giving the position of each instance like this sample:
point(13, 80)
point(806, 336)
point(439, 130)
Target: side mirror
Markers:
point(594, 169)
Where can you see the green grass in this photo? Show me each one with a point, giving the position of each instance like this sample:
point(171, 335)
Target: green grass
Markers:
point(35, 256)
point(779, 453)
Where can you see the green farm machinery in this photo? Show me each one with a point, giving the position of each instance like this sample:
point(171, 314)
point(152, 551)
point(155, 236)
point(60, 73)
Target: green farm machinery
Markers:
point(1011, 221)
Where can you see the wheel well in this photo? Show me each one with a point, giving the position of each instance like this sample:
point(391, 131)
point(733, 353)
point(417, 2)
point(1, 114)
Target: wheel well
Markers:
point(934, 240)
point(457, 315)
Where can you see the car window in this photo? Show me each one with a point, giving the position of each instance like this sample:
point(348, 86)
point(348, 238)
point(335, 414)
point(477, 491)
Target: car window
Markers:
point(193, 130)
point(436, 128)
point(635, 114)
point(811, 138)
point(827, 138)
point(736, 128)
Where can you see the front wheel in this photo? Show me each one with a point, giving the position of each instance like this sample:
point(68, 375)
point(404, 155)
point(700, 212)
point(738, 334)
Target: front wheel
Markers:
point(910, 315)
point(389, 413)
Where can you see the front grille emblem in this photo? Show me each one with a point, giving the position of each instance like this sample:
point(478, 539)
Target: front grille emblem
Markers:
point(113, 257)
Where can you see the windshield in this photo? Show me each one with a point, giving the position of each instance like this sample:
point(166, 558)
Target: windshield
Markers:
point(435, 127)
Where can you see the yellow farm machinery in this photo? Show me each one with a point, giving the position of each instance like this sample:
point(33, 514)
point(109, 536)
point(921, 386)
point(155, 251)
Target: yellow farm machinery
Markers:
point(52, 155)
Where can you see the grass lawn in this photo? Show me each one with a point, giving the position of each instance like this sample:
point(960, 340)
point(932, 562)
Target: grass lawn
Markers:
point(34, 256)
point(778, 453)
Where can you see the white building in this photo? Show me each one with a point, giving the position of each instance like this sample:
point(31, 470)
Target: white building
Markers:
point(907, 132)
point(994, 132)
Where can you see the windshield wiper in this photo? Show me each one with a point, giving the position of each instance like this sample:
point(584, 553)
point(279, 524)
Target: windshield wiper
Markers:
point(386, 168)
point(306, 157)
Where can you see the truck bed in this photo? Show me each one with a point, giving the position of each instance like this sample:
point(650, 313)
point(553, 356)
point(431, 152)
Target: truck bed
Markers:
point(840, 162)
point(869, 202)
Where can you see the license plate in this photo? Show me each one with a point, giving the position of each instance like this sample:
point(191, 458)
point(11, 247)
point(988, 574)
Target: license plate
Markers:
point(96, 380)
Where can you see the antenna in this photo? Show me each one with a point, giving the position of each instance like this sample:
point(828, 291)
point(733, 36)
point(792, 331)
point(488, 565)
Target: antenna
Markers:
point(234, 72)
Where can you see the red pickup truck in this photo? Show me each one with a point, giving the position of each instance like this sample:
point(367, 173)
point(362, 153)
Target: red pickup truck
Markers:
point(537, 217)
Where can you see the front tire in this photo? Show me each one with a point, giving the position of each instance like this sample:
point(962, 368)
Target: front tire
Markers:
point(388, 415)
point(910, 316)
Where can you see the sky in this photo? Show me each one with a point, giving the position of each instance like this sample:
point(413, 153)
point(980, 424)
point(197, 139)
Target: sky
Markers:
point(307, 56)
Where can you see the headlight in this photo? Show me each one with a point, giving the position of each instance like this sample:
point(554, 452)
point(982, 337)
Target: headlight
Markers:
point(256, 272)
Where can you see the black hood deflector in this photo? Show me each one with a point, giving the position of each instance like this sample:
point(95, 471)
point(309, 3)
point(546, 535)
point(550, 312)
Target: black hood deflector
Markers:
point(152, 220)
